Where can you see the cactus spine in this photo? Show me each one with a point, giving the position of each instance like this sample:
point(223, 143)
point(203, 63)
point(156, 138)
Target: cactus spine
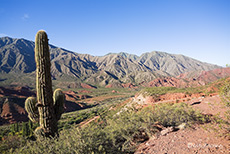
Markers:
point(49, 108)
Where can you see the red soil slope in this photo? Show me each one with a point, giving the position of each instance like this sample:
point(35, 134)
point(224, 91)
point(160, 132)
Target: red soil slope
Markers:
point(191, 79)
point(12, 110)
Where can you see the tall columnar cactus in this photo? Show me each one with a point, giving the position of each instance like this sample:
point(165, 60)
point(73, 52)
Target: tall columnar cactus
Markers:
point(48, 107)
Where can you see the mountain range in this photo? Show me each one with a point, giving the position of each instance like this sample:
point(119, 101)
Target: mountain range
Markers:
point(17, 56)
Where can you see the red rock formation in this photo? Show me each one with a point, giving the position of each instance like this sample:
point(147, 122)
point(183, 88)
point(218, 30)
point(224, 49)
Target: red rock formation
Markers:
point(70, 97)
point(167, 82)
point(128, 85)
point(73, 96)
point(87, 86)
point(109, 86)
point(70, 92)
point(191, 79)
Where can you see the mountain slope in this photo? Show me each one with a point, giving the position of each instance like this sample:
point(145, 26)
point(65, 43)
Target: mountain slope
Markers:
point(69, 63)
point(121, 68)
point(17, 56)
point(172, 63)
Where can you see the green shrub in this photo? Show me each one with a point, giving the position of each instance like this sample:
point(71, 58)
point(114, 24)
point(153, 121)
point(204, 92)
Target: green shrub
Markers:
point(225, 97)
point(225, 93)
point(175, 114)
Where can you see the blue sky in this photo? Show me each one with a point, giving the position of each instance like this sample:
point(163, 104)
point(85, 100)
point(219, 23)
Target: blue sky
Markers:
point(196, 28)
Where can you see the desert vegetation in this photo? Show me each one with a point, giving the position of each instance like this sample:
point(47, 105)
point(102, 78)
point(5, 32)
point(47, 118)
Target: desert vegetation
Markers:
point(225, 96)
point(112, 133)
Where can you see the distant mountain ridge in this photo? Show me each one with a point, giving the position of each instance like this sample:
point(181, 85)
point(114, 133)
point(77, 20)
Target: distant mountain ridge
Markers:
point(17, 56)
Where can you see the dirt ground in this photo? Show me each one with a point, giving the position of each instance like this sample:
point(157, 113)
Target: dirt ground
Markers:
point(200, 139)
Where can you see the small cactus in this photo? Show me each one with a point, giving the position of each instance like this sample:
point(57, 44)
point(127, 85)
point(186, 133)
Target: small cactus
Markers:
point(48, 107)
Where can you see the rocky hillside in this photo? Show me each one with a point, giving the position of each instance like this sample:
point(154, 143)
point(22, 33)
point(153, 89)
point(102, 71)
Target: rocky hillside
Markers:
point(190, 79)
point(17, 56)
point(172, 63)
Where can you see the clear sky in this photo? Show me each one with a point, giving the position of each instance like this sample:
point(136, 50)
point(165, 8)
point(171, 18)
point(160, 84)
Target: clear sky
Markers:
point(196, 28)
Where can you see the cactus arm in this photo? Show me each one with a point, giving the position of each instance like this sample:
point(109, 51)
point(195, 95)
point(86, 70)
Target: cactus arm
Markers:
point(31, 109)
point(59, 100)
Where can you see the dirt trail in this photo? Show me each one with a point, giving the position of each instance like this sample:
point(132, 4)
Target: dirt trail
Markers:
point(200, 139)
point(86, 122)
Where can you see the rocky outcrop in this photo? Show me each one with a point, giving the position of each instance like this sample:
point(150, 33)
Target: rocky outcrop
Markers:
point(87, 86)
point(129, 85)
point(204, 77)
point(192, 79)
point(167, 82)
